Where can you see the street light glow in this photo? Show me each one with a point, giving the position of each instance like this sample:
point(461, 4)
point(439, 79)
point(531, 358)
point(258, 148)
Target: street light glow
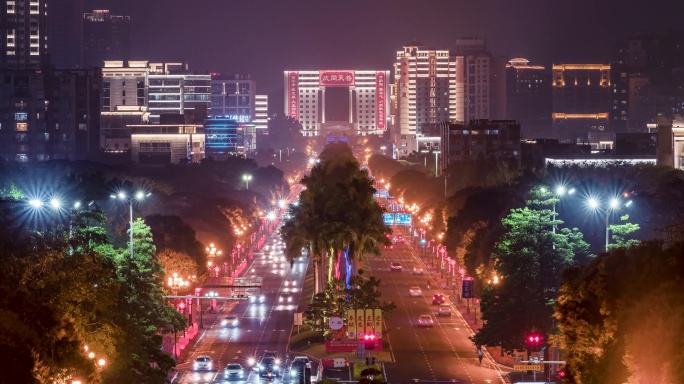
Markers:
point(35, 203)
point(592, 203)
point(121, 195)
point(139, 195)
point(271, 216)
point(55, 203)
point(614, 203)
point(77, 205)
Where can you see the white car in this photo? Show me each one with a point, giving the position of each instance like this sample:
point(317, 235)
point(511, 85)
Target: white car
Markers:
point(233, 371)
point(203, 363)
point(418, 271)
point(285, 298)
point(304, 359)
point(415, 292)
point(425, 321)
point(444, 310)
point(229, 321)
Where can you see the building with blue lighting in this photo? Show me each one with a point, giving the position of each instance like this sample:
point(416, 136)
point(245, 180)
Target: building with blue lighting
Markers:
point(224, 137)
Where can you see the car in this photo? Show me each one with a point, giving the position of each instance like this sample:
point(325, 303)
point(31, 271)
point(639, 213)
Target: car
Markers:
point(425, 321)
point(291, 282)
point(296, 367)
point(229, 321)
point(257, 299)
point(438, 298)
point(304, 359)
point(233, 371)
point(269, 364)
point(415, 292)
point(444, 310)
point(399, 239)
point(396, 266)
point(203, 363)
point(418, 271)
point(390, 246)
point(285, 298)
point(269, 354)
point(241, 295)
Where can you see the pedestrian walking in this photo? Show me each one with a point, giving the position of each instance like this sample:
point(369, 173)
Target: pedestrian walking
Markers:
point(480, 353)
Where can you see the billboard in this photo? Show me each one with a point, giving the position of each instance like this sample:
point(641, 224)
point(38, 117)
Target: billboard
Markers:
point(336, 78)
point(293, 95)
point(467, 289)
point(380, 100)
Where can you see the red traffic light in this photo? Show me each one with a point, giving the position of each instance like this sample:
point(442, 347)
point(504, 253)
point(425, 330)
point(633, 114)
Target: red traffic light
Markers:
point(369, 336)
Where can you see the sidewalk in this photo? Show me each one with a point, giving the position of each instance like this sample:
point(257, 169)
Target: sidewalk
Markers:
point(473, 319)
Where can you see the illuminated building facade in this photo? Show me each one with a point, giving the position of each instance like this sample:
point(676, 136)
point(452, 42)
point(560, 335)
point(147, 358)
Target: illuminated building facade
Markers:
point(581, 100)
point(426, 87)
point(224, 137)
point(368, 99)
point(171, 90)
point(235, 97)
point(670, 150)
point(23, 34)
point(497, 139)
point(162, 144)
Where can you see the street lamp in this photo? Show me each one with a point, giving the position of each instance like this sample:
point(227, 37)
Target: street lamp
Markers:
point(559, 192)
point(246, 178)
point(140, 195)
point(176, 282)
point(613, 205)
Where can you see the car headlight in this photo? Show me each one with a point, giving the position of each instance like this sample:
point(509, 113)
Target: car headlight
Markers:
point(224, 322)
point(277, 361)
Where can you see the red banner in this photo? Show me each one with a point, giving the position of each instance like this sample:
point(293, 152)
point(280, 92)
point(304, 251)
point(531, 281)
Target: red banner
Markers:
point(336, 78)
point(293, 95)
point(380, 99)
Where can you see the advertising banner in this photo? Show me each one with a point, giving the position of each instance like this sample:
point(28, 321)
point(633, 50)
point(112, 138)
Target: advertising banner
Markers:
point(360, 324)
point(380, 99)
point(377, 323)
point(336, 78)
point(369, 321)
point(351, 324)
point(332, 346)
point(293, 95)
point(467, 289)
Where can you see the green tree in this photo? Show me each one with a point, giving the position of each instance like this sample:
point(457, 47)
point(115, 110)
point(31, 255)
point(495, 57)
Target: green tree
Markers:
point(528, 259)
point(177, 262)
point(319, 311)
point(285, 132)
point(620, 234)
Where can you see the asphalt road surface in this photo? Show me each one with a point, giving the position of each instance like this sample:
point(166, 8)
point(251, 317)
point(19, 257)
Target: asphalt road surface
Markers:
point(441, 353)
point(261, 326)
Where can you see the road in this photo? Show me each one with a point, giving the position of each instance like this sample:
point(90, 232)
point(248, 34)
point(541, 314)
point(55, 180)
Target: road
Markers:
point(262, 327)
point(442, 353)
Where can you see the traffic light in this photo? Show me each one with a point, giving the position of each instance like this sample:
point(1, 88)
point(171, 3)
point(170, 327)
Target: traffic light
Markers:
point(369, 341)
point(534, 342)
point(422, 241)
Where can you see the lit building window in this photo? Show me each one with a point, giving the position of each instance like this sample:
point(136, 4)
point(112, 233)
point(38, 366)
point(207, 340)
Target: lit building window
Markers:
point(22, 127)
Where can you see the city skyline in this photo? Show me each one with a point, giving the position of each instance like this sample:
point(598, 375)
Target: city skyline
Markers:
point(357, 34)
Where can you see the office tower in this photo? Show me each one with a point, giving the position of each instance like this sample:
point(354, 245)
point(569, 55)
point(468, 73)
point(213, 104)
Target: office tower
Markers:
point(581, 100)
point(481, 78)
point(173, 90)
point(24, 133)
point(426, 89)
point(528, 94)
point(105, 37)
point(23, 34)
point(647, 79)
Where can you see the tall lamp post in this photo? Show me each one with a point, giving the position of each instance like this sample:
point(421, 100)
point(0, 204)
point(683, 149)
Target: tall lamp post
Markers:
point(246, 178)
point(140, 195)
point(612, 206)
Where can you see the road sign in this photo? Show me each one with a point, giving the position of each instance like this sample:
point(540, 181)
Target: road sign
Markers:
point(402, 219)
point(298, 318)
point(528, 367)
point(467, 289)
point(388, 218)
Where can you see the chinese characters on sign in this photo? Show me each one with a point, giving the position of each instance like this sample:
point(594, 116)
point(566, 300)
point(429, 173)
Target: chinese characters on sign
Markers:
point(360, 324)
point(351, 324)
point(380, 97)
point(467, 289)
point(293, 95)
point(336, 78)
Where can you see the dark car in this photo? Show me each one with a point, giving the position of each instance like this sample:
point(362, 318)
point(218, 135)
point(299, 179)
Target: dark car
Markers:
point(269, 364)
point(438, 298)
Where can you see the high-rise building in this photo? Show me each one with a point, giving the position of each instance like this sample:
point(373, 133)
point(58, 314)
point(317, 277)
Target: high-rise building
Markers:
point(123, 84)
point(646, 79)
point(65, 33)
point(24, 132)
point(528, 94)
point(426, 88)
point(223, 138)
point(74, 114)
point(172, 90)
point(496, 139)
point(105, 37)
point(482, 77)
point(23, 35)
point(305, 100)
point(581, 100)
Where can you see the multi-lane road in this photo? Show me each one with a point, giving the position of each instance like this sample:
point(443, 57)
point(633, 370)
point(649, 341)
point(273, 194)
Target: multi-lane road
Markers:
point(441, 353)
point(261, 326)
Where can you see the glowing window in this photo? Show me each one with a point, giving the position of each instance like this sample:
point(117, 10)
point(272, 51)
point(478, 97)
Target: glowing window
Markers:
point(22, 127)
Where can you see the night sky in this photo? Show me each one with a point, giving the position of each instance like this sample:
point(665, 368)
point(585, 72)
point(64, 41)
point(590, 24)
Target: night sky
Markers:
point(265, 37)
